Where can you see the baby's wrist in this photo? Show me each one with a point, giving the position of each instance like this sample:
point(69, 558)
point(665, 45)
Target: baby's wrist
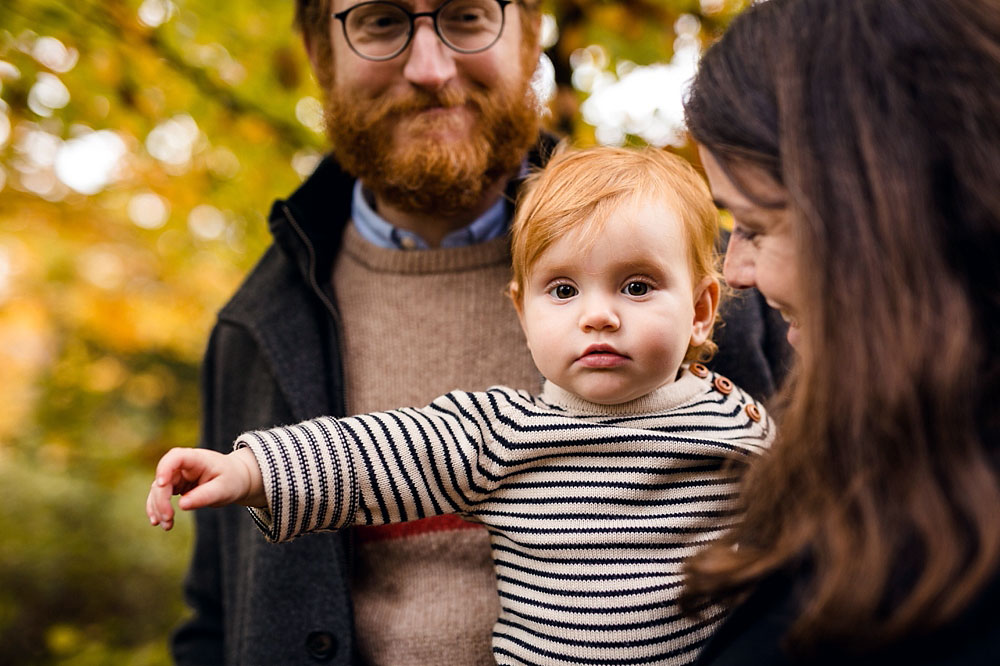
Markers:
point(254, 483)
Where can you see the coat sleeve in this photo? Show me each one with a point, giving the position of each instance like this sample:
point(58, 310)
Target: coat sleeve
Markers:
point(230, 359)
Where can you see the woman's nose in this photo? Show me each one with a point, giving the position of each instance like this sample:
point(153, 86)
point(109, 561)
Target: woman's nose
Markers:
point(738, 267)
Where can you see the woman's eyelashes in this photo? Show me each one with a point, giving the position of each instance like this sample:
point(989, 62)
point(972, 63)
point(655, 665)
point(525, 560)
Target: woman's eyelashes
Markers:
point(745, 233)
point(742, 229)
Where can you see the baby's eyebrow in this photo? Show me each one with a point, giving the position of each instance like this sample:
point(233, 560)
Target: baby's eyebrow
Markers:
point(551, 272)
point(649, 267)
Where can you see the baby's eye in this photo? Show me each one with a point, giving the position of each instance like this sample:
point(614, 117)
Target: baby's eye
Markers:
point(636, 289)
point(563, 291)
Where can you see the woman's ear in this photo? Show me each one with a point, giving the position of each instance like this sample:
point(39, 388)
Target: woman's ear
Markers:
point(706, 303)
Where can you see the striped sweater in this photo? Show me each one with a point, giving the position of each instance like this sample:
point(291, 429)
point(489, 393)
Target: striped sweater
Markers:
point(591, 509)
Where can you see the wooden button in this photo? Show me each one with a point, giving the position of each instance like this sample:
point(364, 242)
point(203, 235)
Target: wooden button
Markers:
point(723, 385)
point(753, 412)
point(698, 370)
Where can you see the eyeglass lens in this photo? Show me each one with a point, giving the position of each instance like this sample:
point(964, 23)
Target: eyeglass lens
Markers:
point(382, 29)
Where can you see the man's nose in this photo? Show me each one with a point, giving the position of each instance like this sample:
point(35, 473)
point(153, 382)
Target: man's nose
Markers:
point(599, 315)
point(429, 63)
point(738, 267)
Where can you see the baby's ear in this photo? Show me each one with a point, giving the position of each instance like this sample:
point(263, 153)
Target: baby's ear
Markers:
point(514, 293)
point(517, 298)
point(706, 302)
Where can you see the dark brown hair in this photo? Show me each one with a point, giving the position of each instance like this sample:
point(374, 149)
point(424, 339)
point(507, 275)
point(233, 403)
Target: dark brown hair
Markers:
point(881, 118)
point(312, 17)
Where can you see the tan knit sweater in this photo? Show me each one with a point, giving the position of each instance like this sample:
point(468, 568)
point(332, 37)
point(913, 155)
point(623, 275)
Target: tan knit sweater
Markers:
point(418, 324)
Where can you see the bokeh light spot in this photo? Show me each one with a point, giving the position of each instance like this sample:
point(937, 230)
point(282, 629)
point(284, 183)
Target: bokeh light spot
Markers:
point(640, 101)
point(4, 129)
point(53, 54)
point(305, 162)
point(549, 34)
point(105, 374)
point(154, 13)
point(47, 94)
point(148, 210)
point(37, 145)
point(712, 6)
point(206, 222)
point(173, 141)
point(102, 267)
point(91, 161)
point(309, 112)
point(223, 163)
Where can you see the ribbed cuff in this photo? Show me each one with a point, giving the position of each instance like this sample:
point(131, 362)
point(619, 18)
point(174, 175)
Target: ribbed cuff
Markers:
point(309, 478)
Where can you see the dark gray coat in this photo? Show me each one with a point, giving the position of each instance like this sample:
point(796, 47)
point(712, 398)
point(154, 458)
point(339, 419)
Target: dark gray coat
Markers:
point(273, 358)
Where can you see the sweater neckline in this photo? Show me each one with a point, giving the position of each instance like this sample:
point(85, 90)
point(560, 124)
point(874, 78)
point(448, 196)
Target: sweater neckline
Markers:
point(665, 398)
point(426, 261)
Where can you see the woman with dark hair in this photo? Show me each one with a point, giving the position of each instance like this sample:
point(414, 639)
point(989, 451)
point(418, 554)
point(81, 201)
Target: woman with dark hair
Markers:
point(857, 145)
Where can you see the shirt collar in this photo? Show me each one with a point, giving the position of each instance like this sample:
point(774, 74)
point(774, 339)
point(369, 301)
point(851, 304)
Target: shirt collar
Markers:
point(376, 230)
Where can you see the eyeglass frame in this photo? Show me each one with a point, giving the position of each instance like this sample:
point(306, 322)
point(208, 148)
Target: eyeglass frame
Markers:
point(413, 16)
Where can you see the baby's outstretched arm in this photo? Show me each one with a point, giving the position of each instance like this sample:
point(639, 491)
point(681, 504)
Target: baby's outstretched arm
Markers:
point(203, 478)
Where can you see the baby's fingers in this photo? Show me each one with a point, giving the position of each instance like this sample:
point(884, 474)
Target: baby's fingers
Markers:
point(158, 507)
point(210, 493)
point(177, 470)
point(201, 477)
point(178, 466)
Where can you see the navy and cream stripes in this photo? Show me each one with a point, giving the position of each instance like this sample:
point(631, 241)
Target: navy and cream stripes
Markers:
point(591, 509)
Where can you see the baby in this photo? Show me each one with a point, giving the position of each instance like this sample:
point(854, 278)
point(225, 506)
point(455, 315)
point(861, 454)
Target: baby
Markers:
point(595, 491)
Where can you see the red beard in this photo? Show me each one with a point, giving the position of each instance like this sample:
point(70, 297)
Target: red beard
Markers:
point(424, 174)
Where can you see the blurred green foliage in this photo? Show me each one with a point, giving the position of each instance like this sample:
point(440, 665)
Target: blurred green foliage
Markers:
point(111, 271)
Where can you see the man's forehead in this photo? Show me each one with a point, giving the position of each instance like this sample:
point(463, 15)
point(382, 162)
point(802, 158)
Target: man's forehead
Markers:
point(412, 5)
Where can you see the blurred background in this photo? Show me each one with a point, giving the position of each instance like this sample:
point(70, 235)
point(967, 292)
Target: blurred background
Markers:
point(141, 144)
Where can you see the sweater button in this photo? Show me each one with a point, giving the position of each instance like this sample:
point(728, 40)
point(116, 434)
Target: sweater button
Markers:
point(698, 370)
point(321, 645)
point(723, 385)
point(753, 412)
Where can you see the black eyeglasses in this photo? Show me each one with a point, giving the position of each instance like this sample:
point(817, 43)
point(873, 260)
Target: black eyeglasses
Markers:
point(382, 30)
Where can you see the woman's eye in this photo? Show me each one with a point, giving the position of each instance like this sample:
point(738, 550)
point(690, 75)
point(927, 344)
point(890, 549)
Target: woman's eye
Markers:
point(636, 289)
point(744, 233)
point(563, 291)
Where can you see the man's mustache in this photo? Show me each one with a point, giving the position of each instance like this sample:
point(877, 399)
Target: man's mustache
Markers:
point(421, 100)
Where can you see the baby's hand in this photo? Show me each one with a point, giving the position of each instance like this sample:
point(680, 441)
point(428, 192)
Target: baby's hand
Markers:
point(203, 478)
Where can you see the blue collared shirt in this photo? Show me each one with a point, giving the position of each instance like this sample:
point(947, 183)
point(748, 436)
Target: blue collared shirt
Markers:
point(376, 230)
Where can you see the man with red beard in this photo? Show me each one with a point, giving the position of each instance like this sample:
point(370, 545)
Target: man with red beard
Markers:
point(384, 288)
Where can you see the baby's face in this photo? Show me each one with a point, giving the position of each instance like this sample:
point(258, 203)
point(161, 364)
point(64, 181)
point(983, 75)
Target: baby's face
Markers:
point(613, 322)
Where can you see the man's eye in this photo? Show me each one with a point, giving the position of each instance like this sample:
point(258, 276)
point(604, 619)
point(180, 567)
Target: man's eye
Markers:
point(563, 291)
point(378, 21)
point(636, 289)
